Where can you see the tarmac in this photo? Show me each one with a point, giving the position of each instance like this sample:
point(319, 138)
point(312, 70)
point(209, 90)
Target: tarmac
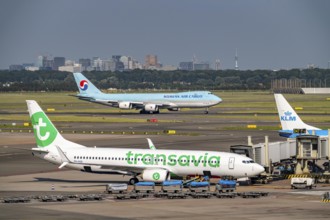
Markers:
point(21, 174)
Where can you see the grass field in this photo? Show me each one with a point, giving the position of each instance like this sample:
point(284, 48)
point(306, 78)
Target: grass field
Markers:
point(235, 105)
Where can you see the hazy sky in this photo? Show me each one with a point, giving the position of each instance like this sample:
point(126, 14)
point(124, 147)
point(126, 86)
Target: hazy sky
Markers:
point(269, 34)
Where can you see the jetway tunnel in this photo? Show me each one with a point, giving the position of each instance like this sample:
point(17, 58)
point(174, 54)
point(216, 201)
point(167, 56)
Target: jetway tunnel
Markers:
point(304, 153)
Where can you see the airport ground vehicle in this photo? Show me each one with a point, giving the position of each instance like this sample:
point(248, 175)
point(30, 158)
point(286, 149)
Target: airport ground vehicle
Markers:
point(302, 183)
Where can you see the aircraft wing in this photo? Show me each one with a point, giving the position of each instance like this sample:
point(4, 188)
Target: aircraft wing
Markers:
point(135, 169)
point(134, 104)
point(116, 103)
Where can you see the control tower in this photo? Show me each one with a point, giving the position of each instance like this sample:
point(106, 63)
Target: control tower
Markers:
point(236, 60)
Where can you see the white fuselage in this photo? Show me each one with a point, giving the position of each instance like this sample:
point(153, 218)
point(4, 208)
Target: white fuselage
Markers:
point(179, 162)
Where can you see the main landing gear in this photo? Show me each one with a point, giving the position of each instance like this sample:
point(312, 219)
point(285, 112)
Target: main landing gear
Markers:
point(133, 180)
point(149, 112)
point(206, 111)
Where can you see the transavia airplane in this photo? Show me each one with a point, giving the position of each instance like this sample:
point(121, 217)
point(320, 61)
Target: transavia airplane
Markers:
point(292, 125)
point(148, 164)
point(146, 102)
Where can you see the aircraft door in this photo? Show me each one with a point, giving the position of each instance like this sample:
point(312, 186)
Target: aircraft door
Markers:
point(231, 163)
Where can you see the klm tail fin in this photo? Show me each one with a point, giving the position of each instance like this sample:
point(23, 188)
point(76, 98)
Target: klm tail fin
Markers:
point(288, 117)
point(84, 85)
point(46, 134)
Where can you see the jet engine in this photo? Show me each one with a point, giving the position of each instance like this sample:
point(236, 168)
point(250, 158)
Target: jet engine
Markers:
point(125, 105)
point(155, 175)
point(151, 108)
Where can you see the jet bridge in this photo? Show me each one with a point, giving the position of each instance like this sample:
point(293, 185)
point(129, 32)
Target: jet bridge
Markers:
point(302, 149)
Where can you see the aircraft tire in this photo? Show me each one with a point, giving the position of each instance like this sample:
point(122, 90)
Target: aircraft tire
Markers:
point(134, 180)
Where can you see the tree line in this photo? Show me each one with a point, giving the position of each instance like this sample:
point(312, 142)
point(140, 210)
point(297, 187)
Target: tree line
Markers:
point(160, 80)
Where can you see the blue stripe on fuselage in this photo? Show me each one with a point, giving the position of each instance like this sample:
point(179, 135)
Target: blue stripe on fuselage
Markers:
point(290, 134)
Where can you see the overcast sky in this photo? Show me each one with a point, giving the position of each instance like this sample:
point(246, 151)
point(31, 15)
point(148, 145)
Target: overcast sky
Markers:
point(272, 34)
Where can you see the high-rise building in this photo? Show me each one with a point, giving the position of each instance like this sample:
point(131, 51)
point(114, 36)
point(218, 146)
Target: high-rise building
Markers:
point(85, 63)
point(236, 60)
point(16, 67)
point(97, 63)
point(186, 66)
point(151, 61)
point(40, 61)
point(108, 65)
point(48, 64)
point(58, 61)
point(217, 64)
point(201, 66)
point(76, 67)
point(116, 57)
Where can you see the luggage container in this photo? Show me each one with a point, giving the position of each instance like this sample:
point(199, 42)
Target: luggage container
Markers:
point(116, 188)
point(173, 186)
point(199, 186)
point(144, 187)
point(225, 186)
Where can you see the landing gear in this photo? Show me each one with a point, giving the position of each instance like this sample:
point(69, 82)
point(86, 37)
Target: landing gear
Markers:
point(133, 180)
point(206, 111)
point(149, 112)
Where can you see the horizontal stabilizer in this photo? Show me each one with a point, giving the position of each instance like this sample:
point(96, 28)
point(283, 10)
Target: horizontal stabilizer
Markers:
point(63, 165)
point(62, 155)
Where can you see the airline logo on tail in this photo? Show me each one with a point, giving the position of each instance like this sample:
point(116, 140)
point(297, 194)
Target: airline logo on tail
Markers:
point(287, 116)
point(83, 85)
point(44, 132)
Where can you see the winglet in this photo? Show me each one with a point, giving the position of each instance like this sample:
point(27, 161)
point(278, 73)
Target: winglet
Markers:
point(151, 145)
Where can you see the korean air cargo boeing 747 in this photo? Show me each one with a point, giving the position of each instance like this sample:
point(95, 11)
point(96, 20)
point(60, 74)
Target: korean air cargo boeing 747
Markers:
point(146, 102)
point(148, 164)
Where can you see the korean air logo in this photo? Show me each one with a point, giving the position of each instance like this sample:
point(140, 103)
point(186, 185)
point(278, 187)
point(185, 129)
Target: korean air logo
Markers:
point(83, 85)
point(288, 116)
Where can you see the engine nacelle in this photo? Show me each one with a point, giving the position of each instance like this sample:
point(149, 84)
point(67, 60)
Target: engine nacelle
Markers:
point(151, 107)
point(125, 105)
point(174, 109)
point(155, 175)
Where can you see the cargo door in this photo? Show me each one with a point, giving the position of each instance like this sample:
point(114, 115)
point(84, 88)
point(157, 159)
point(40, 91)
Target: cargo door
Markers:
point(231, 163)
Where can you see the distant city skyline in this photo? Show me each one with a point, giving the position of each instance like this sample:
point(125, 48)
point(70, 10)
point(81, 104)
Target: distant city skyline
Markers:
point(274, 34)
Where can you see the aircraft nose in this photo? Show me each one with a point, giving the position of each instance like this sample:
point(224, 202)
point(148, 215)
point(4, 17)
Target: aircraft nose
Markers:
point(218, 99)
point(259, 169)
